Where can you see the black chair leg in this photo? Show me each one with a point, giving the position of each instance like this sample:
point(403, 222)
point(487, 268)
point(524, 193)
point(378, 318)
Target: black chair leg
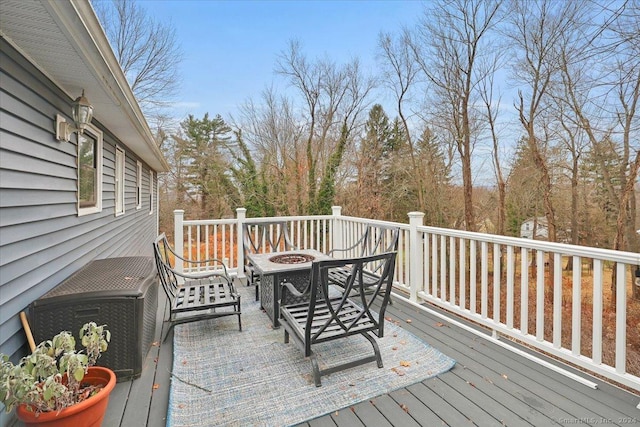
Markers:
point(171, 325)
point(316, 370)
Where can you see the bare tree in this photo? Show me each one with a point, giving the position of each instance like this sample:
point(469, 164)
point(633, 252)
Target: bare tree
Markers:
point(400, 74)
point(602, 101)
point(486, 90)
point(452, 37)
point(334, 98)
point(536, 30)
point(626, 36)
point(147, 51)
point(272, 129)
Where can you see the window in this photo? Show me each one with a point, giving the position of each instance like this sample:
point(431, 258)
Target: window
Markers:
point(150, 192)
point(120, 161)
point(89, 171)
point(138, 185)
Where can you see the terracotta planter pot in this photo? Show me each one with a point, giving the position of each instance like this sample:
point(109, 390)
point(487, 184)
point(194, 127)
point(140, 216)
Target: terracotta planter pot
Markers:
point(89, 412)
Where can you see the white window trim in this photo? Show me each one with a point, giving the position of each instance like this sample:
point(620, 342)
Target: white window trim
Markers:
point(97, 134)
point(139, 184)
point(119, 190)
point(151, 194)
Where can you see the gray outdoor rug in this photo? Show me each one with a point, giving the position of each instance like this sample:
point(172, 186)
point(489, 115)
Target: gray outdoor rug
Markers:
point(224, 377)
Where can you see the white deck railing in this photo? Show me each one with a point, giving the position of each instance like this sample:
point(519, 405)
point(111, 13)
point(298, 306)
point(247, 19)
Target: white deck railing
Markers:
point(554, 297)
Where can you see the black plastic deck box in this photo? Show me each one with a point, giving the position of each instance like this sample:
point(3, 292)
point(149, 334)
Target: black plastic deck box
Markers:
point(121, 293)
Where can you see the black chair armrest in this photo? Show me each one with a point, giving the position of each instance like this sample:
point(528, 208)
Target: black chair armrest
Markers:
point(192, 261)
point(355, 245)
point(204, 275)
point(288, 287)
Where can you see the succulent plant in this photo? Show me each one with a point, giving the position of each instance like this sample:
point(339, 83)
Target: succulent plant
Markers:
point(50, 378)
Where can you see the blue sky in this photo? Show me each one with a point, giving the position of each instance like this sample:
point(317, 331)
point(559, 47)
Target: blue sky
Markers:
point(231, 47)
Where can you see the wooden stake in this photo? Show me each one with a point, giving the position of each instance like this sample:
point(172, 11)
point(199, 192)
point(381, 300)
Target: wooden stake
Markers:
point(27, 330)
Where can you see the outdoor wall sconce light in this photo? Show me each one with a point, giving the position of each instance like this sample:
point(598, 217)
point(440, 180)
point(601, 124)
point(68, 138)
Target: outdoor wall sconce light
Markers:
point(82, 113)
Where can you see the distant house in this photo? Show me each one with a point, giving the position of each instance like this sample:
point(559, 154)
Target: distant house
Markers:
point(535, 228)
point(56, 216)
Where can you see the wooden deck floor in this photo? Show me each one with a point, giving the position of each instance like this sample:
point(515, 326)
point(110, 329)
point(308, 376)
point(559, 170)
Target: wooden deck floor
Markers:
point(489, 386)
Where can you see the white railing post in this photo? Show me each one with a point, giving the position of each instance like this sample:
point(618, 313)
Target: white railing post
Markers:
point(241, 215)
point(178, 236)
point(336, 235)
point(415, 254)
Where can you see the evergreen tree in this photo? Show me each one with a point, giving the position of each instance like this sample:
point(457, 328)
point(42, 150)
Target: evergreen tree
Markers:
point(372, 165)
point(208, 177)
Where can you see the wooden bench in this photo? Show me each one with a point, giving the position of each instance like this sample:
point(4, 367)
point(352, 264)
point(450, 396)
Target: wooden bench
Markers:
point(263, 237)
point(324, 317)
point(375, 239)
point(206, 295)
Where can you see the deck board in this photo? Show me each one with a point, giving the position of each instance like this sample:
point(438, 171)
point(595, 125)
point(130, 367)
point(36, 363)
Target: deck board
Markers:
point(488, 386)
point(162, 375)
point(345, 418)
point(542, 389)
point(481, 371)
point(415, 407)
point(394, 412)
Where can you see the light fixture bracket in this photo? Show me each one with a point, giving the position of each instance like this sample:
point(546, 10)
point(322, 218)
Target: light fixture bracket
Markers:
point(82, 112)
point(63, 129)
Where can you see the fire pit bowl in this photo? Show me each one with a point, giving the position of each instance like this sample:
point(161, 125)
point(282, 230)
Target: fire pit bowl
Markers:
point(291, 258)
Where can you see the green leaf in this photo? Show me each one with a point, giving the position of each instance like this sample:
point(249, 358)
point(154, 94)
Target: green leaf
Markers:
point(78, 374)
point(48, 393)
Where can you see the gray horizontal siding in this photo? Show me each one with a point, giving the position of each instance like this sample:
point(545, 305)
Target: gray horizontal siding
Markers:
point(42, 239)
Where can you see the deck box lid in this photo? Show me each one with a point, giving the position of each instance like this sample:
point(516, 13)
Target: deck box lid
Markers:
point(122, 277)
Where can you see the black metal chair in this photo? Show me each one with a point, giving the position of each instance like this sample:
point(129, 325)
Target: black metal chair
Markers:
point(263, 237)
point(205, 295)
point(325, 317)
point(375, 239)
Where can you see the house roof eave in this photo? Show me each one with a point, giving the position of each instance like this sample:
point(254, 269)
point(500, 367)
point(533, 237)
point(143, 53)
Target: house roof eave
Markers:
point(65, 40)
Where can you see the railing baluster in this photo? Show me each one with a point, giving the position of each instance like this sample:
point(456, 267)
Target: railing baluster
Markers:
point(524, 291)
point(596, 354)
point(510, 284)
point(576, 307)
point(463, 273)
point(497, 273)
point(189, 243)
point(443, 267)
point(198, 247)
point(305, 236)
point(540, 282)
point(223, 239)
point(557, 300)
point(426, 269)
point(621, 318)
point(473, 278)
point(207, 243)
point(484, 280)
point(232, 254)
point(452, 270)
point(434, 265)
